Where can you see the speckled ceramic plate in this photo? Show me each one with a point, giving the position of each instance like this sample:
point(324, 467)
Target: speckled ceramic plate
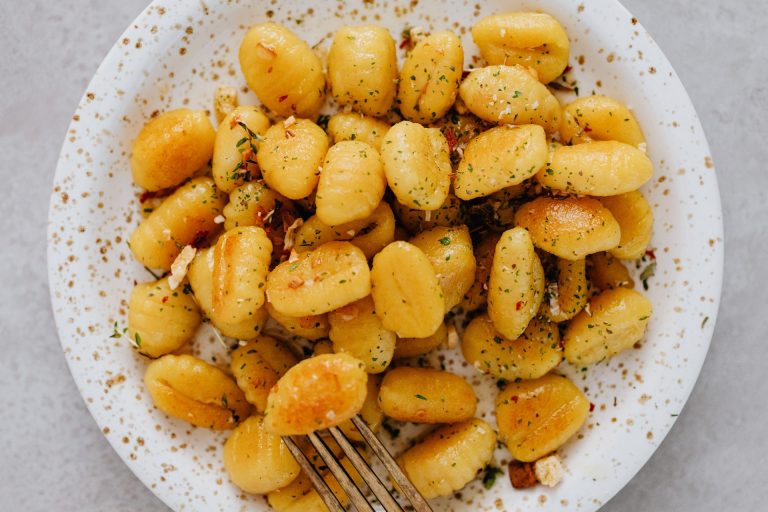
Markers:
point(174, 55)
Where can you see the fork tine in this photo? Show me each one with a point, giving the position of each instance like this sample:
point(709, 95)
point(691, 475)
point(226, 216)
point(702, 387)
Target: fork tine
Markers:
point(372, 479)
point(337, 470)
point(330, 499)
point(407, 488)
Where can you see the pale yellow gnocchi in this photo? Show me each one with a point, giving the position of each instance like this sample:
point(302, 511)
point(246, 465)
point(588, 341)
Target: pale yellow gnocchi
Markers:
point(355, 329)
point(354, 126)
point(311, 327)
point(351, 185)
point(425, 395)
point(477, 295)
point(449, 458)
point(171, 148)
point(282, 70)
point(290, 156)
point(499, 158)
point(635, 217)
point(530, 356)
point(516, 283)
point(318, 281)
point(192, 390)
point(258, 365)
point(603, 168)
point(570, 227)
point(599, 118)
point(406, 291)
point(253, 204)
point(606, 271)
point(429, 80)
point(236, 145)
point(411, 347)
point(617, 319)
point(450, 213)
point(566, 296)
point(532, 39)
point(185, 217)
point(257, 460)
point(536, 417)
point(449, 250)
point(161, 320)
point(317, 393)
point(510, 95)
point(417, 165)
point(362, 68)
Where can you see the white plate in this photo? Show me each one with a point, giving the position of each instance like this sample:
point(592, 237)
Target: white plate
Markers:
point(175, 53)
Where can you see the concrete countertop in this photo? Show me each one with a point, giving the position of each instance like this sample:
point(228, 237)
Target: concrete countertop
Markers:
point(55, 458)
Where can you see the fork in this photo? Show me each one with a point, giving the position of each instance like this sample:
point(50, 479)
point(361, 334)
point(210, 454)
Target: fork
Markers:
point(356, 495)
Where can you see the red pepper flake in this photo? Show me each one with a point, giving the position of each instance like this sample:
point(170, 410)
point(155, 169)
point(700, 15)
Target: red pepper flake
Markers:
point(587, 129)
point(514, 398)
point(199, 239)
point(567, 69)
point(269, 69)
point(450, 137)
point(465, 73)
point(522, 475)
point(518, 305)
point(651, 254)
point(591, 407)
point(165, 299)
point(282, 98)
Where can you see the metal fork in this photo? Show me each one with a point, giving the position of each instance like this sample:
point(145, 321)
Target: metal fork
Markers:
point(356, 495)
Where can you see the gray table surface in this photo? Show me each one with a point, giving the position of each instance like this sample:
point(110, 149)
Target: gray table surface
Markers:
point(55, 458)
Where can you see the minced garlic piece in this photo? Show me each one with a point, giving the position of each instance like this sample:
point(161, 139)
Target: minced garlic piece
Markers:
point(549, 470)
point(179, 267)
point(290, 234)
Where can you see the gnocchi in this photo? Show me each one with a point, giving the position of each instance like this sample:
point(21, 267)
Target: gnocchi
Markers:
point(236, 146)
point(311, 327)
point(257, 366)
point(353, 126)
point(171, 148)
point(317, 393)
point(600, 118)
point(635, 217)
point(356, 330)
point(568, 295)
point(411, 347)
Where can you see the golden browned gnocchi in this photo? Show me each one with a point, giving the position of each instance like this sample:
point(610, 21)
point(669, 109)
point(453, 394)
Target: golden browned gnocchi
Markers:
point(171, 148)
point(352, 183)
point(290, 156)
point(200, 276)
point(356, 330)
point(406, 291)
point(355, 126)
point(258, 365)
point(499, 158)
point(516, 283)
point(536, 417)
point(318, 281)
point(317, 393)
point(411, 347)
point(256, 460)
point(604, 168)
point(312, 327)
point(530, 356)
point(186, 216)
point(635, 218)
point(532, 39)
point(370, 234)
point(362, 68)
point(425, 395)
point(617, 319)
point(282, 70)
point(568, 295)
point(570, 227)
point(449, 458)
point(449, 214)
point(241, 259)
point(510, 95)
point(606, 271)
point(370, 411)
point(429, 80)
point(417, 165)
point(449, 250)
point(161, 320)
point(599, 118)
point(234, 152)
point(192, 390)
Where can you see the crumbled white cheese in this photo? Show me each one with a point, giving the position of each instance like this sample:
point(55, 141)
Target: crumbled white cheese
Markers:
point(507, 110)
point(290, 234)
point(179, 266)
point(587, 310)
point(289, 122)
point(219, 219)
point(293, 257)
point(554, 298)
point(549, 470)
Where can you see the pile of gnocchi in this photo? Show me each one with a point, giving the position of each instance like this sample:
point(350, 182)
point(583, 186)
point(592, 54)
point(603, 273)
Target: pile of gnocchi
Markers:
point(437, 207)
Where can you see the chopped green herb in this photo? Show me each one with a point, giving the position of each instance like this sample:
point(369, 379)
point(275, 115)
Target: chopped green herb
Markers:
point(489, 478)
